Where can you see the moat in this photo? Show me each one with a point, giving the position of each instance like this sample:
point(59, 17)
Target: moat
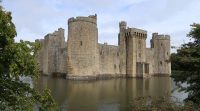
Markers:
point(105, 95)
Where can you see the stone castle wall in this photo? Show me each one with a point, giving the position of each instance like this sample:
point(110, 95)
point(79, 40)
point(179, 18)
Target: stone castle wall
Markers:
point(53, 53)
point(109, 59)
point(83, 57)
point(150, 60)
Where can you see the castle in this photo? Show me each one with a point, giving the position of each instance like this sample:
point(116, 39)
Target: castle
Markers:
point(83, 57)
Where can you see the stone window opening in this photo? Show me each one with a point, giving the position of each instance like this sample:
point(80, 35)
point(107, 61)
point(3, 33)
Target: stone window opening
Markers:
point(146, 68)
point(81, 43)
point(167, 53)
point(139, 54)
point(101, 52)
point(161, 44)
point(160, 62)
point(115, 66)
point(139, 42)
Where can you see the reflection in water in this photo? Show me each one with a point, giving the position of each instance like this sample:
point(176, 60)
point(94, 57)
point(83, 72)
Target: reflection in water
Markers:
point(103, 95)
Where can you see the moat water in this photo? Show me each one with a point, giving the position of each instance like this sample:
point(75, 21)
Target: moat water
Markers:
point(105, 95)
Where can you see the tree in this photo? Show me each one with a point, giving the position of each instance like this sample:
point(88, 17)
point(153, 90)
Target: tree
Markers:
point(18, 60)
point(186, 63)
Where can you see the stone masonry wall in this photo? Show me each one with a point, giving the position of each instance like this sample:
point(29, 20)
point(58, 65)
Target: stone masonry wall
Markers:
point(82, 46)
point(40, 54)
point(161, 45)
point(109, 59)
point(136, 51)
point(150, 60)
point(52, 53)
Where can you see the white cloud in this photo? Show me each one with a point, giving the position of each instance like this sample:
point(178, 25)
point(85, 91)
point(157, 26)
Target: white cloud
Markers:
point(36, 18)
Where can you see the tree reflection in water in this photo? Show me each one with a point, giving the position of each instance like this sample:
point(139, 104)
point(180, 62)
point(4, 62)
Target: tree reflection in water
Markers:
point(104, 95)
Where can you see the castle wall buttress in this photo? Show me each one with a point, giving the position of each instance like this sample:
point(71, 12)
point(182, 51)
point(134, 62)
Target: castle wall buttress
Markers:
point(122, 47)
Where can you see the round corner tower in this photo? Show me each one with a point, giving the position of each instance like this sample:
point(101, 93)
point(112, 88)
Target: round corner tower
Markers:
point(83, 46)
point(161, 45)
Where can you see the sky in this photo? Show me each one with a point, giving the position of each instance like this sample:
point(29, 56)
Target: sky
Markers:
point(36, 18)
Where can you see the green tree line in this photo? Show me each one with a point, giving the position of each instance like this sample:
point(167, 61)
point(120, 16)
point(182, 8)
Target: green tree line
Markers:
point(18, 60)
point(186, 65)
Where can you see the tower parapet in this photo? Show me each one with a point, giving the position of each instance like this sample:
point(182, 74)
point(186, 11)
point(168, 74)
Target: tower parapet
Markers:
point(90, 19)
point(160, 36)
point(136, 32)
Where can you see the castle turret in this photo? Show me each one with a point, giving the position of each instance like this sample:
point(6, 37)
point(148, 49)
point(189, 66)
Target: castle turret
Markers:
point(122, 46)
point(161, 45)
point(122, 26)
point(135, 52)
point(82, 46)
point(60, 34)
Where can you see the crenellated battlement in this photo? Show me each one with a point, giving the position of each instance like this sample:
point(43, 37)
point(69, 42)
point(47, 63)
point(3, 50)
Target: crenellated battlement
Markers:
point(136, 32)
point(90, 18)
point(39, 40)
point(122, 24)
point(55, 33)
point(160, 36)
